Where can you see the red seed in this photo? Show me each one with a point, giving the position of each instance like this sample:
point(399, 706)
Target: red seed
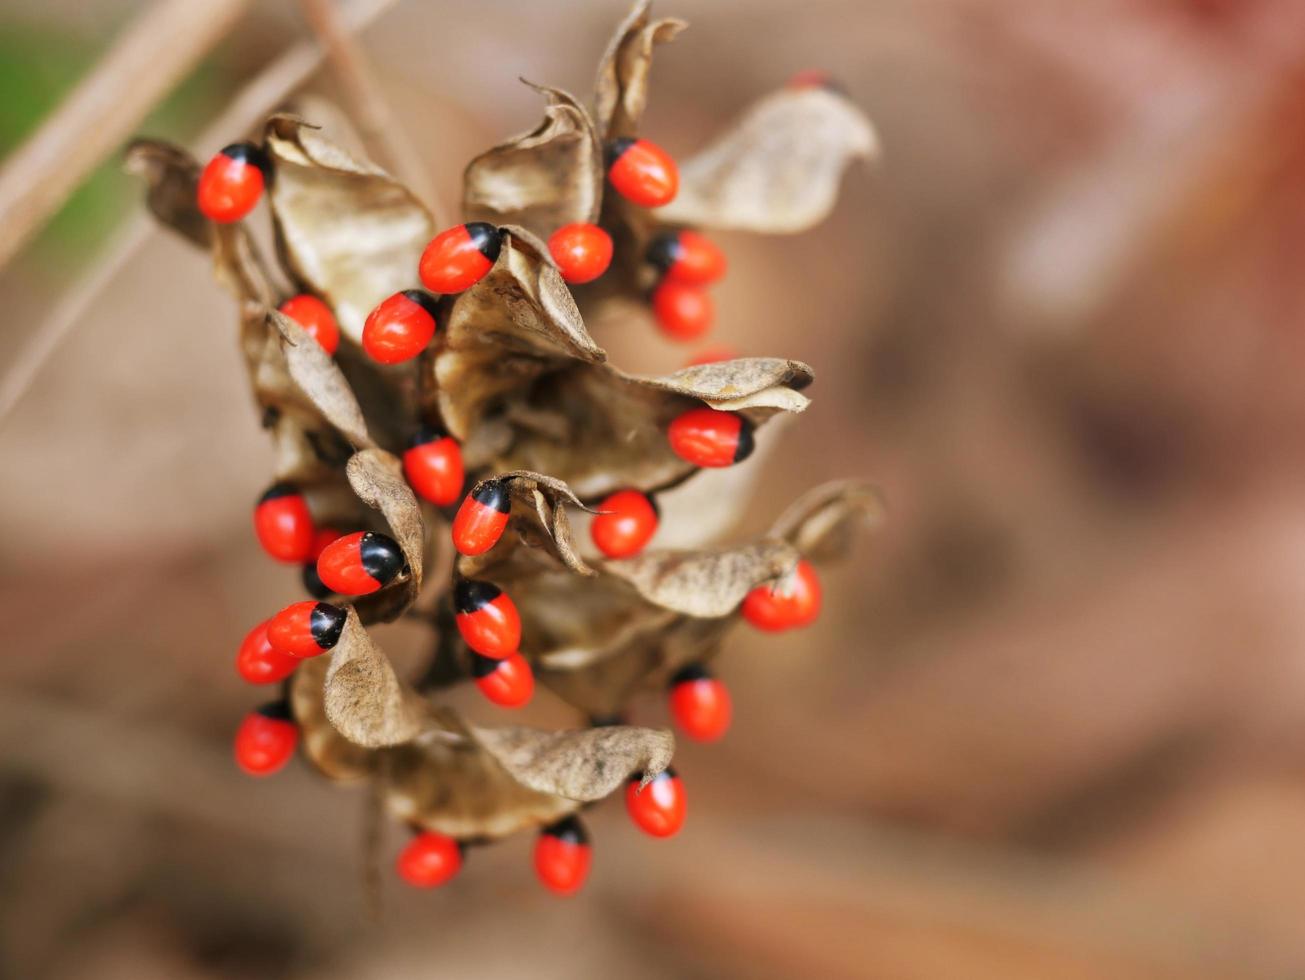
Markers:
point(480, 521)
point(706, 437)
point(458, 258)
point(788, 603)
point(642, 172)
point(306, 629)
point(582, 252)
point(508, 683)
point(360, 563)
point(401, 327)
point(316, 318)
point(284, 524)
point(433, 465)
point(232, 183)
point(563, 856)
point(429, 860)
point(683, 312)
point(700, 704)
point(688, 257)
point(266, 739)
point(487, 618)
point(627, 522)
point(258, 662)
point(657, 809)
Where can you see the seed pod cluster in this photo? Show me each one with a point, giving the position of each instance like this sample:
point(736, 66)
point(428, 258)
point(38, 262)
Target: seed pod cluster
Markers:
point(418, 368)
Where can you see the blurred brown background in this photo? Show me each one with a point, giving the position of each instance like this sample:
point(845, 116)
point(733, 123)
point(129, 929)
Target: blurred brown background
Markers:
point(1052, 722)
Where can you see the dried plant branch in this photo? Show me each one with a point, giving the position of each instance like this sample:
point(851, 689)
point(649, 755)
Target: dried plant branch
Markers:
point(381, 132)
point(143, 65)
point(250, 105)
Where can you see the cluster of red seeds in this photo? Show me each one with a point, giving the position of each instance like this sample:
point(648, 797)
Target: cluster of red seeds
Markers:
point(399, 329)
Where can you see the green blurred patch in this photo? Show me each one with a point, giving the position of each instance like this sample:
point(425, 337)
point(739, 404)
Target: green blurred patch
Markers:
point(39, 65)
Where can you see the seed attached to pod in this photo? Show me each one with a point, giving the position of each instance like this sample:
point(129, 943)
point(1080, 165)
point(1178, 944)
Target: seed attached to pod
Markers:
point(508, 682)
point(683, 312)
point(284, 524)
point(706, 437)
point(487, 618)
point(626, 522)
point(316, 318)
point(563, 856)
point(360, 563)
point(700, 704)
point(433, 465)
point(687, 256)
point(429, 860)
point(582, 252)
point(642, 172)
point(266, 739)
point(232, 182)
point(482, 517)
point(306, 629)
point(791, 602)
point(258, 662)
point(460, 257)
point(313, 583)
point(400, 327)
point(657, 809)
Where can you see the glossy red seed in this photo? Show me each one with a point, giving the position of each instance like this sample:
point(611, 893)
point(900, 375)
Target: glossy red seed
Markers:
point(429, 860)
point(455, 259)
point(301, 629)
point(229, 187)
point(706, 437)
point(562, 864)
point(510, 683)
point(785, 604)
point(659, 808)
point(644, 174)
point(683, 312)
point(284, 525)
point(433, 465)
point(698, 260)
point(701, 707)
point(397, 330)
point(487, 619)
point(712, 355)
point(316, 318)
point(480, 521)
point(263, 744)
point(627, 522)
point(321, 539)
point(258, 662)
point(582, 252)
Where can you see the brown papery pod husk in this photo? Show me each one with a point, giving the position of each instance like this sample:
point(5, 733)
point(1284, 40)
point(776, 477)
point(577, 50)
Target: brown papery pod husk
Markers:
point(377, 478)
point(543, 179)
point(364, 699)
point(330, 752)
point(320, 379)
point(346, 229)
point(538, 508)
point(517, 323)
point(173, 178)
point(777, 168)
point(614, 435)
point(823, 523)
point(579, 765)
point(621, 89)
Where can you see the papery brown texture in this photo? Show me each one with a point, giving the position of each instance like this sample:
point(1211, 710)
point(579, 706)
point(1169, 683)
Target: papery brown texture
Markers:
point(543, 179)
point(363, 698)
point(319, 378)
point(777, 168)
point(579, 765)
point(823, 523)
point(346, 229)
point(173, 176)
point(377, 477)
point(621, 89)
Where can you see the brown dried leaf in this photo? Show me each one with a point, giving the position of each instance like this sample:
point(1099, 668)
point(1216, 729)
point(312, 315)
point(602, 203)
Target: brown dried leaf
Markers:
point(363, 697)
point(578, 765)
point(514, 325)
point(822, 523)
point(319, 377)
point(543, 179)
point(616, 423)
point(621, 89)
point(172, 175)
point(777, 168)
point(347, 230)
point(377, 477)
point(706, 584)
